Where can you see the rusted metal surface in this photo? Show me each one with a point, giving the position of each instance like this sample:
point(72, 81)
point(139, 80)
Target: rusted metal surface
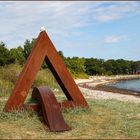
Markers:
point(44, 49)
point(63, 105)
point(32, 106)
point(50, 109)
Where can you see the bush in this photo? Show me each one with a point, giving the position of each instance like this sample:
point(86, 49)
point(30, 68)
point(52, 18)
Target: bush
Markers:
point(10, 72)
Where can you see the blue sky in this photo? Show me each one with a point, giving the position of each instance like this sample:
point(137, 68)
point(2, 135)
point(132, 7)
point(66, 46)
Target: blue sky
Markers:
point(108, 30)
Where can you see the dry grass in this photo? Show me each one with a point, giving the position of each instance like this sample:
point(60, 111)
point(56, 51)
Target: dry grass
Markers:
point(104, 119)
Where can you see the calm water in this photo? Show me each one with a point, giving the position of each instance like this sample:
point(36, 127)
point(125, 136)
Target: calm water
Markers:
point(128, 84)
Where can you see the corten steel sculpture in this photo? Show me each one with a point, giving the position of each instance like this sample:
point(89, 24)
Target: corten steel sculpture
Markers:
point(44, 50)
point(50, 109)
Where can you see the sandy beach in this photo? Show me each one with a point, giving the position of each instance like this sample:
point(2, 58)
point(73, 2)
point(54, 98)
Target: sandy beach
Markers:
point(94, 87)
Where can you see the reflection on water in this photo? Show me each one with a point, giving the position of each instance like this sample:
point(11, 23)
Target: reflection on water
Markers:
point(128, 84)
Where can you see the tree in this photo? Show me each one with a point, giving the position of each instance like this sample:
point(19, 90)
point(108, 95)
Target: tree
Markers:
point(75, 65)
point(16, 54)
point(61, 54)
point(122, 66)
point(4, 55)
point(135, 65)
point(94, 66)
point(28, 45)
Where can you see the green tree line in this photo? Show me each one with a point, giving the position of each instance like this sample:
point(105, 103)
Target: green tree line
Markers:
point(76, 65)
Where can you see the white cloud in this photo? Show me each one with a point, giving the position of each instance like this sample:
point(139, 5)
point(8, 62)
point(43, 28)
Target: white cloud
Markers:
point(117, 10)
point(115, 39)
point(21, 20)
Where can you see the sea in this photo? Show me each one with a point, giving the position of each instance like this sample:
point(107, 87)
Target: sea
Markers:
point(133, 85)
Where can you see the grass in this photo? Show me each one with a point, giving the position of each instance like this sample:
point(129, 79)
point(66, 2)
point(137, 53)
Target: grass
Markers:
point(10, 73)
point(104, 119)
point(8, 76)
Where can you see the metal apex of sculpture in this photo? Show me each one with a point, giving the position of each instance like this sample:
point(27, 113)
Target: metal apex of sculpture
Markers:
point(45, 50)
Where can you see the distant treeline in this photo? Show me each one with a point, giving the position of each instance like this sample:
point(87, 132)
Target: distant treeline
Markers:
point(76, 65)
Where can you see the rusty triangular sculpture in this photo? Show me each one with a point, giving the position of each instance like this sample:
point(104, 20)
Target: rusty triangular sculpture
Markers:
point(44, 50)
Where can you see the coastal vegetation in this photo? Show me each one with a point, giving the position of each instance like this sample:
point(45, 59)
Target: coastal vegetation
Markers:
point(79, 67)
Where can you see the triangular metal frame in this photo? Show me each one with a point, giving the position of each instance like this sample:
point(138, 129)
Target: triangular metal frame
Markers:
point(44, 50)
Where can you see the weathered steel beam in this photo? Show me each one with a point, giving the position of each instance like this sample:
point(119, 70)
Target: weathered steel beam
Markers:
point(63, 105)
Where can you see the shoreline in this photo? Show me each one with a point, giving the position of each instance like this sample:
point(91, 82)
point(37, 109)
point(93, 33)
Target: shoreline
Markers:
point(117, 90)
point(107, 79)
point(105, 87)
point(101, 83)
point(97, 85)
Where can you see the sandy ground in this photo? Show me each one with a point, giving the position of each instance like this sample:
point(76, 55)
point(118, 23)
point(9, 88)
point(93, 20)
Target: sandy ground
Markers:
point(96, 94)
